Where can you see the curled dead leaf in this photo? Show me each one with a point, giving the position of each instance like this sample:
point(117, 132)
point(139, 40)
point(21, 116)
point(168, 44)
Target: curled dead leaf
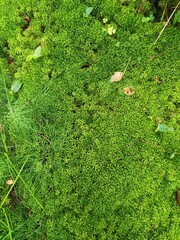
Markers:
point(129, 91)
point(117, 76)
point(10, 182)
point(27, 18)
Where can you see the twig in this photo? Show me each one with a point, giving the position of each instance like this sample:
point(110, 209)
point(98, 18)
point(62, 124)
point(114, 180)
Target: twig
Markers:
point(167, 23)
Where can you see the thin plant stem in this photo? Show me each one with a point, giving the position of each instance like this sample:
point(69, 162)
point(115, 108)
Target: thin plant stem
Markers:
point(3, 223)
point(4, 200)
point(14, 168)
point(3, 137)
point(167, 23)
point(8, 224)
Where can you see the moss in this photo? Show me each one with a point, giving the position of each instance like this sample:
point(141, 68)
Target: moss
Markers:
point(94, 160)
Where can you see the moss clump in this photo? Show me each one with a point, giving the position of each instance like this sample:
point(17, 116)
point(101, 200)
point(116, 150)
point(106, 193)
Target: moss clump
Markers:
point(96, 168)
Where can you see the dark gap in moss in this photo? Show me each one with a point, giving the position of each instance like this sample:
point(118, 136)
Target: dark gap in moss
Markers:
point(42, 29)
point(14, 199)
point(86, 65)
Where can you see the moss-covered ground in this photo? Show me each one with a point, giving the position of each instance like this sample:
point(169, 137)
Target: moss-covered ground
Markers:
point(85, 158)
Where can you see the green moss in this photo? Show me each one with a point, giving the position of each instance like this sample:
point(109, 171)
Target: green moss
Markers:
point(94, 160)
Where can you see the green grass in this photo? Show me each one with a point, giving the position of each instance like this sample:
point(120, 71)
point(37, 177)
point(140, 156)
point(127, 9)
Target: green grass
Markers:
point(86, 160)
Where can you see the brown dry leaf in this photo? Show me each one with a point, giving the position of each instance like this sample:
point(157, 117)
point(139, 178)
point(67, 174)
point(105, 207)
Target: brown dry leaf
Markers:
point(129, 91)
point(117, 76)
point(10, 182)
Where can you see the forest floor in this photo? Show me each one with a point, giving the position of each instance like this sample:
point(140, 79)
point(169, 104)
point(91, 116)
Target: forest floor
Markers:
point(89, 122)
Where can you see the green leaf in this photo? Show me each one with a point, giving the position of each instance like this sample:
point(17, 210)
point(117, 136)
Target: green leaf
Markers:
point(16, 86)
point(88, 11)
point(151, 17)
point(144, 19)
point(36, 54)
point(164, 128)
point(177, 17)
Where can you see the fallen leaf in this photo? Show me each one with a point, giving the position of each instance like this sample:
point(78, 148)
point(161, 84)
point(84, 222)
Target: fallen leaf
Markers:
point(163, 128)
point(37, 52)
point(16, 86)
point(129, 91)
point(117, 76)
point(88, 11)
point(10, 182)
